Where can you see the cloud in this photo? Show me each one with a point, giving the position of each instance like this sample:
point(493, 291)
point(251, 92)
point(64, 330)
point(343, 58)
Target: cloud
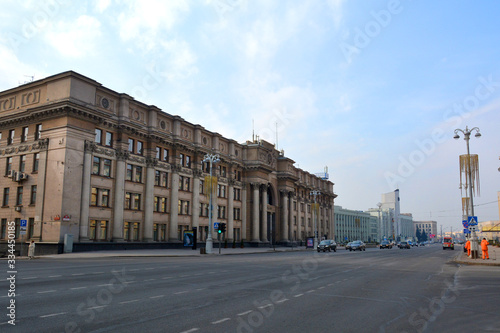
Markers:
point(77, 38)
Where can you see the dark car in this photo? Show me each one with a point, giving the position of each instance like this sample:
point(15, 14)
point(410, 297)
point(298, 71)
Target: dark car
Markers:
point(385, 245)
point(404, 245)
point(327, 245)
point(357, 245)
point(348, 246)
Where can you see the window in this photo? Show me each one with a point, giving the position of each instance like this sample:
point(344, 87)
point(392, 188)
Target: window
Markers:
point(126, 231)
point(184, 183)
point(238, 175)
point(183, 207)
point(237, 194)
point(165, 155)
point(105, 198)
point(188, 161)
point(237, 213)
point(158, 152)
point(138, 174)
point(163, 207)
point(129, 172)
point(203, 209)
point(221, 212)
point(106, 170)
point(8, 167)
point(164, 179)
point(222, 171)
point(5, 201)
point(139, 147)
point(92, 229)
point(295, 205)
point(221, 191)
point(93, 196)
point(36, 158)
point(205, 167)
point(10, 139)
point(132, 201)
point(98, 136)
point(19, 197)
point(103, 235)
point(33, 195)
point(22, 163)
point(3, 229)
point(181, 159)
point(295, 220)
point(38, 131)
point(135, 232)
point(157, 178)
point(131, 144)
point(160, 205)
point(24, 134)
point(202, 186)
point(109, 139)
point(96, 166)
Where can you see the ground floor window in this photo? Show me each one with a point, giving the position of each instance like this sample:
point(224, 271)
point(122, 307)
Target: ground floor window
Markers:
point(159, 232)
point(236, 234)
point(98, 230)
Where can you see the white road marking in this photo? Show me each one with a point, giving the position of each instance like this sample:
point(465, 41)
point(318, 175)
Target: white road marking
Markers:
point(220, 321)
point(298, 295)
point(310, 291)
point(53, 314)
point(158, 296)
point(55, 276)
point(282, 300)
point(77, 274)
point(244, 313)
point(131, 301)
point(76, 288)
point(46, 291)
point(104, 285)
point(265, 306)
point(180, 292)
point(191, 330)
point(96, 307)
point(29, 278)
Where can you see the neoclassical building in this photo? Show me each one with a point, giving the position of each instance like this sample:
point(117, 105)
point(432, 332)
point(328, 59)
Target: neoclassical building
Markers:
point(80, 159)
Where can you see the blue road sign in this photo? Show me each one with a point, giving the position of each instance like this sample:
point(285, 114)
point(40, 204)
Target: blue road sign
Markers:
point(466, 231)
point(216, 225)
point(472, 220)
point(24, 223)
point(465, 223)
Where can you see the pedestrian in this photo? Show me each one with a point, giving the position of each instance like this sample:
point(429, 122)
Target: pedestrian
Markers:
point(31, 250)
point(467, 247)
point(484, 248)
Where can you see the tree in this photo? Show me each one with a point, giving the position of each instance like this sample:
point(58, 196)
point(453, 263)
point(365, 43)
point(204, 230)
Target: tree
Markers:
point(418, 235)
point(424, 236)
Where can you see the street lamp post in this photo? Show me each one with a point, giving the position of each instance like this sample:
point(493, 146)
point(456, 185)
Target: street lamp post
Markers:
point(379, 223)
point(210, 158)
point(315, 194)
point(467, 133)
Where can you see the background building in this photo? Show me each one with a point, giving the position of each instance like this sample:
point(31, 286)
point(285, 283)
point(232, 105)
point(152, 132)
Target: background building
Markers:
point(81, 159)
point(430, 228)
point(353, 225)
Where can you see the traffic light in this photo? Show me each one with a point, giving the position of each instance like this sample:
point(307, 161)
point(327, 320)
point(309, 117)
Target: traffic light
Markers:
point(222, 227)
point(219, 230)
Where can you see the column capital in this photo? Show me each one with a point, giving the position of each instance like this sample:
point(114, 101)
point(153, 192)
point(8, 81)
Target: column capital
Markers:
point(151, 162)
point(89, 146)
point(122, 154)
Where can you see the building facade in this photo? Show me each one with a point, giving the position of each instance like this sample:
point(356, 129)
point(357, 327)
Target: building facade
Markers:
point(78, 158)
point(351, 225)
point(430, 227)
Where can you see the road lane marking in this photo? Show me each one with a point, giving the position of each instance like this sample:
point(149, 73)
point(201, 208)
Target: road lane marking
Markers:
point(184, 275)
point(149, 280)
point(104, 285)
point(191, 330)
point(97, 307)
point(131, 301)
point(77, 274)
point(265, 306)
point(282, 300)
point(76, 288)
point(53, 314)
point(46, 291)
point(158, 296)
point(180, 292)
point(29, 278)
point(310, 291)
point(200, 289)
point(220, 321)
point(298, 295)
point(244, 313)
point(97, 272)
point(134, 270)
point(55, 276)
point(167, 277)
point(149, 268)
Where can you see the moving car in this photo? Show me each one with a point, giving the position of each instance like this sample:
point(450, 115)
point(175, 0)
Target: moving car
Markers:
point(348, 246)
point(327, 245)
point(448, 243)
point(357, 245)
point(404, 245)
point(385, 245)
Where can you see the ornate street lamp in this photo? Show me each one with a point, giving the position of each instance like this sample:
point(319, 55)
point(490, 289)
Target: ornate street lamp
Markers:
point(212, 159)
point(315, 210)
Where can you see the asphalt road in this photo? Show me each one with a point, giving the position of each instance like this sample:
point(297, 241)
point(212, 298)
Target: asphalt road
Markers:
point(390, 290)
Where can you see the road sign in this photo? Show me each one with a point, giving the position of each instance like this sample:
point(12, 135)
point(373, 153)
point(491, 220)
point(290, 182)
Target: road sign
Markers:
point(24, 223)
point(466, 231)
point(465, 223)
point(472, 228)
point(23, 232)
point(472, 220)
point(216, 225)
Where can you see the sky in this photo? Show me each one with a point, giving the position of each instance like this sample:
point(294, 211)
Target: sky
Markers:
point(373, 90)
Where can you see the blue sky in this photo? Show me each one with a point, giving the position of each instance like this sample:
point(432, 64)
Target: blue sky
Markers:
point(371, 89)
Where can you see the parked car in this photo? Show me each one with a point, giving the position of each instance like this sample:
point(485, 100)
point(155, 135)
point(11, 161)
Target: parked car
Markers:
point(404, 245)
point(422, 244)
point(357, 245)
point(385, 245)
point(327, 245)
point(348, 246)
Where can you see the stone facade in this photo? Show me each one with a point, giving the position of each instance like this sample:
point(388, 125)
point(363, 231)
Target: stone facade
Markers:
point(78, 158)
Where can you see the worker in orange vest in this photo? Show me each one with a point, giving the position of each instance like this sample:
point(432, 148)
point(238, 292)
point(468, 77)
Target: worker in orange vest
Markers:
point(467, 247)
point(484, 248)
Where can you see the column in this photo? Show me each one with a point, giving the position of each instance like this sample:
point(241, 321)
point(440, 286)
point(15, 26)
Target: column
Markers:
point(284, 218)
point(149, 199)
point(230, 213)
point(121, 157)
point(174, 205)
point(196, 199)
point(263, 227)
point(85, 200)
point(255, 215)
point(290, 216)
point(40, 198)
point(244, 212)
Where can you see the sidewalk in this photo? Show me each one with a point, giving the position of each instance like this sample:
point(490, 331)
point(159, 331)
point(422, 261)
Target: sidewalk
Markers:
point(493, 252)
point(188, 252)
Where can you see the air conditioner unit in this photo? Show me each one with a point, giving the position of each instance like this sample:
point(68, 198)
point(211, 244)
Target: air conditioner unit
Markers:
point(18, 209)
point(10, 173)
point(23, 176)
point(17, 176)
